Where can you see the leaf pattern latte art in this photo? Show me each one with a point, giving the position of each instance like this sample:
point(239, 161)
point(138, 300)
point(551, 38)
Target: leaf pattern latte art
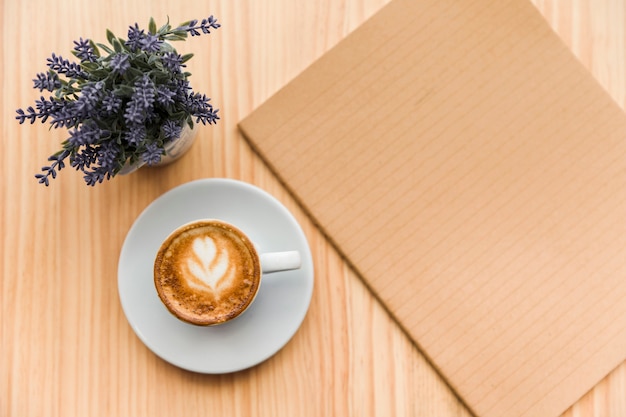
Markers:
point(209, 268)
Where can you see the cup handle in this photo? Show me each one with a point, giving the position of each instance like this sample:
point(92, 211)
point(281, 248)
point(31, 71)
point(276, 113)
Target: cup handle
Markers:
point(280, 261)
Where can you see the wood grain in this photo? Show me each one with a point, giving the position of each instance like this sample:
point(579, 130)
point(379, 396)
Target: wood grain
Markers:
point(66, 347)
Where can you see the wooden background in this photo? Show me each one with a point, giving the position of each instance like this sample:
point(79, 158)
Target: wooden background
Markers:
point(66, 348)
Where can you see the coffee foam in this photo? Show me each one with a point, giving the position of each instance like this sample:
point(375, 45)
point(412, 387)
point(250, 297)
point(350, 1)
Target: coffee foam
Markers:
point(207, 273)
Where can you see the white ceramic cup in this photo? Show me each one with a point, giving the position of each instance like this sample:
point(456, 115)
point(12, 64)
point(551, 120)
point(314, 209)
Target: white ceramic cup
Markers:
point(208, 271)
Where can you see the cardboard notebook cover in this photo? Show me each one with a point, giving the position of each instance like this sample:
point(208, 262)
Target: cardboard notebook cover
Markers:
point(474, 174)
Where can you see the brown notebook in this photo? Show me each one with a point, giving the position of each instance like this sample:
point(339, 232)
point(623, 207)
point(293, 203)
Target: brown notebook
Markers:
point(474, 174)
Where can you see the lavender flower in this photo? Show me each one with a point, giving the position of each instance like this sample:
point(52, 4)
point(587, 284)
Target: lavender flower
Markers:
point(110, 104)
point(134, 114)
point(205, 26)
point(152, 154)
point(182, 90)
point(47, 81)
point(120, 106)
point(51, 170)
point(107, 155)
point(106, 159)
point(144, 92)
point(151, 43)
point(84, 158)
point(84, 50)
point(65, 115)
point(88, 133)
point(45, 108)
point(198, 105)
point(172, 61)
point(85, 105)
point(140, 105)
point(120, 63)
point(165, 96)
point(31, 116)
point(63, 66)
point(96, 176)
point(135, 135)
point(135, 37)
point(171, 129)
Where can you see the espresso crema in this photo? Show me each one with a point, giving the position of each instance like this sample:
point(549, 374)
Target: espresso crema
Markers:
point(207, 272)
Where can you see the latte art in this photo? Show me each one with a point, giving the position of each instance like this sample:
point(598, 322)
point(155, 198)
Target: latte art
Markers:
point(207, 272)
point(210, 267)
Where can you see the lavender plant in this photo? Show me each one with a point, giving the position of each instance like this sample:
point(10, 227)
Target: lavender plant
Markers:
point(121, 102)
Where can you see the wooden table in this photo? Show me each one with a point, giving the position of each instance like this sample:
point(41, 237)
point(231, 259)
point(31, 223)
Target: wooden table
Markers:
point(66, 348)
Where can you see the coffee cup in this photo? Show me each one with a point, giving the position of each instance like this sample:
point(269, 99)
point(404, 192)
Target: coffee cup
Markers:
point(208, 272)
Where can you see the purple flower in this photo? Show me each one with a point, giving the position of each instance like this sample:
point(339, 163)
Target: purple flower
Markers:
point(134, 114)
point(150, 43)
point(198, 105)
point(107, 160)
point(90, 95)
point(46, 107)
point(135, 35)
point(111, 104)
point(120, 63)
point(152, 154)
point(122, 105)
point(171, 129)
point(205, 26)
point(86, 134)
point(181, 88)
point(63, 66)
point(65, 115)
point(165, 96)
point(84, 51)
point(144, 92)
point(139, 108)
point(172, 61)
point(51, 170)
point(135, 135)
point(96, 176)
point(47, 81)
point(83, 159)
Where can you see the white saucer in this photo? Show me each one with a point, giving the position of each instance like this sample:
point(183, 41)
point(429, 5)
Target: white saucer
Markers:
point(273, 318)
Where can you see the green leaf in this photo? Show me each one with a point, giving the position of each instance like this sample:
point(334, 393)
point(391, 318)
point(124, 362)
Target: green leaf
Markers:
point(186, 57)
point(90, 66)
point(179, 115)
point(101, 73)
point(173, 37)
point(132, 74)
point(142, 62)
point(106, 48)
point(165, 28)
point(110, 36)
point(161, 77)
point(152, 26)
point(93, 45)
point(153, 59)
point(177, 35)
point(117, 45)
point(167, 47)
point(124, 90)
